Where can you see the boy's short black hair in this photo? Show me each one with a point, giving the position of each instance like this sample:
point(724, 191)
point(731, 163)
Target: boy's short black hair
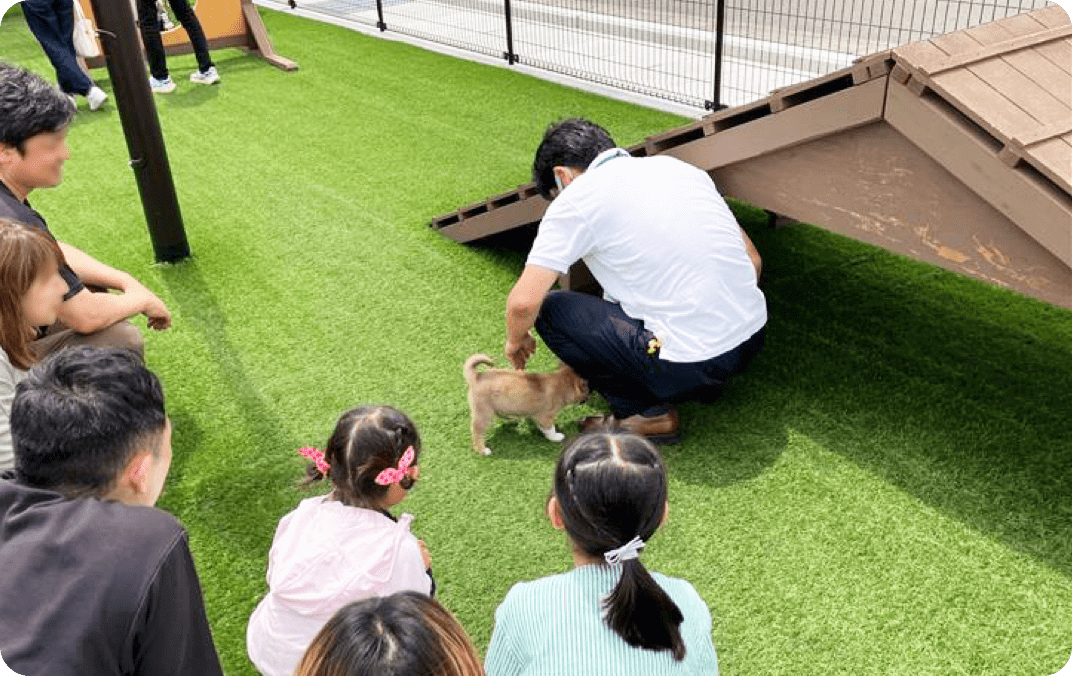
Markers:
point(572, 143)
point(29, 106)
point(80, 416)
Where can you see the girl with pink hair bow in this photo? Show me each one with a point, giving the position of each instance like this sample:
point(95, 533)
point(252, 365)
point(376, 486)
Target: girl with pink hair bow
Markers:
point(346, 545)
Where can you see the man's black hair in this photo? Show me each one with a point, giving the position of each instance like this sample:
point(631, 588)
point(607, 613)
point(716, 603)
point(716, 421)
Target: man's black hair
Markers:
point(80, 416)
point(29, 106)
point(572, 143)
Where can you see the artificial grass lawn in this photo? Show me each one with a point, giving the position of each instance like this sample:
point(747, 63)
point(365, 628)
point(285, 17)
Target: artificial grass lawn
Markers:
point(886, 491)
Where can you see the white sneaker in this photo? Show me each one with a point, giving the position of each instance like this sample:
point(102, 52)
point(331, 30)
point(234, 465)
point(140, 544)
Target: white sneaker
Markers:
point(210, 76)
point(165, 86)
point(96, 97)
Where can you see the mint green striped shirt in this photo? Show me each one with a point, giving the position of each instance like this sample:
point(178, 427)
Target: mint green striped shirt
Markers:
point(554, 627)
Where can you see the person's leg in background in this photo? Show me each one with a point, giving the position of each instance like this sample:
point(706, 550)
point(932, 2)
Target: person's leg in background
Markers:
point(149, 24)
point(52, 23)
point(206, 73)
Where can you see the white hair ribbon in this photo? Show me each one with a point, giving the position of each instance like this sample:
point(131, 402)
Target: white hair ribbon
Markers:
point(630, 550)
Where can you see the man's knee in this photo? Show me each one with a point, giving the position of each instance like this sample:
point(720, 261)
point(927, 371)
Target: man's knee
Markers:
point(554, 311)
point(121, 336)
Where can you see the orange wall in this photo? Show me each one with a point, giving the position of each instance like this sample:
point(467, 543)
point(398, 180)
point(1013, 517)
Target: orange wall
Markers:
point(219, 19)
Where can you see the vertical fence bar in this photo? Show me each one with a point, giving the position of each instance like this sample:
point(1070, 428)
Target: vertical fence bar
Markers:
point(720, 30)
point(510, 56)
point(379, 13)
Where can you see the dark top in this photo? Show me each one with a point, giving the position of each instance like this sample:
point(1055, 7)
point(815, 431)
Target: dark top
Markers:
point(96, 588)
point(13, 209)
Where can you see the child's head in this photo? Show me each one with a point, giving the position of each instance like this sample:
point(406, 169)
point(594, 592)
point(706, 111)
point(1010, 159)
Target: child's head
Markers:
point(367, 441)
point(610, 493)
point(31, 289)
point(405, 634)
point(91, 423)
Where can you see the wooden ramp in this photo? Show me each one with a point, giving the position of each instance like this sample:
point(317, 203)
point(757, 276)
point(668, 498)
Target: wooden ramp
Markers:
point(956, 151)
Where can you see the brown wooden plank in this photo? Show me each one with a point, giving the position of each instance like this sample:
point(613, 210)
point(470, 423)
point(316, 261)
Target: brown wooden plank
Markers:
point(919, 55)
point(1040, 102)
point(492, 222)
point(966, 57)
point(798, 124)
point(980, 101)
point(956, 45)
point(1051, 16)
point(1034, 207)
point(1054, 159)
point(1041, 70)
point(1014, 26)
point(1044, 134)
point(1059, 54)
point(900, 74)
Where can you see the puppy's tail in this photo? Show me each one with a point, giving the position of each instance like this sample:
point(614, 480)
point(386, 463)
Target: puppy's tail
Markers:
point(469, 370)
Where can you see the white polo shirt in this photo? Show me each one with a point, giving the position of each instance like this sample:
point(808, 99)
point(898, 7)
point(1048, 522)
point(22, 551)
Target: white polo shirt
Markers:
point(659, 238)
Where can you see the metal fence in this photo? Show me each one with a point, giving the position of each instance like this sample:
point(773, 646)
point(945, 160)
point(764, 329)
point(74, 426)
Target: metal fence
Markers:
point(702, 53)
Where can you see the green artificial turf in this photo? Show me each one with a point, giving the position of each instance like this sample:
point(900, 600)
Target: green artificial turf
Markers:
point(887, 491)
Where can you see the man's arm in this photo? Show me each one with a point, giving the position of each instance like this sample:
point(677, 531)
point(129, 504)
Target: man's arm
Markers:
point(172, 634)
point(753, 253)
point(87, 312)
point(522, 306)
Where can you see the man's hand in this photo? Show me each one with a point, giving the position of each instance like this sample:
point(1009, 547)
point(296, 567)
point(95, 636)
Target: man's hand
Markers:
point(518, 353)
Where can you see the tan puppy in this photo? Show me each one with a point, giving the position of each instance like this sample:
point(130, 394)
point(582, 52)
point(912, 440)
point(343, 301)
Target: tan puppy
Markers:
point(518, 393)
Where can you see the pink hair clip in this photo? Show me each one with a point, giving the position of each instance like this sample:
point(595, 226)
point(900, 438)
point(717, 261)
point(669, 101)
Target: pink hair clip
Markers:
point(391, 475)
point(317, 456)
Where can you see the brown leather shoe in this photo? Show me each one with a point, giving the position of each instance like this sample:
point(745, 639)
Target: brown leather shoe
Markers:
point(664, 429)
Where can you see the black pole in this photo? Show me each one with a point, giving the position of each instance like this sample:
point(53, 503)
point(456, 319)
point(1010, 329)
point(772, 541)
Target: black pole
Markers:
point(141, 127)
point(720, 30)
point(379, 13)
point(510, 57)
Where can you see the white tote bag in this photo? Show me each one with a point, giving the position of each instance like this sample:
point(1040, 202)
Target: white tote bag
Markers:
point(85, 37)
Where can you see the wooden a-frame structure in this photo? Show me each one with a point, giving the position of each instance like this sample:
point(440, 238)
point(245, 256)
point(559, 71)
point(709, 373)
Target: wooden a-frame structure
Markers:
point(956, 151)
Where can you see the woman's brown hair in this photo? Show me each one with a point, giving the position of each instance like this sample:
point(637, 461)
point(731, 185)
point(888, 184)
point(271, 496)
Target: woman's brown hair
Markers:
point(25, 253)
point(405, 634)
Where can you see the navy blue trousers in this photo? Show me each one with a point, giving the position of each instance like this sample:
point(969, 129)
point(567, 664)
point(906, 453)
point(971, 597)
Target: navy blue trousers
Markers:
point(149, 23)
point(52, 23)
point(609, 349)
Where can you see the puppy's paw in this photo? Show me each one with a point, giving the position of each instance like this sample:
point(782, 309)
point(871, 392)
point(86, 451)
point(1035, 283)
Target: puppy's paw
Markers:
point(486, 451)
point(553, 434)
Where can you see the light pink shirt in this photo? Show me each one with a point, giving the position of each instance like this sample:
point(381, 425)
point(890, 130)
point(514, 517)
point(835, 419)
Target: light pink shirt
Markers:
point(325, 555)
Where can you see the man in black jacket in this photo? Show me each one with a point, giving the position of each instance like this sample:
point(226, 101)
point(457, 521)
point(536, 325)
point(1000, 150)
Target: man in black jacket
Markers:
point(96, 581)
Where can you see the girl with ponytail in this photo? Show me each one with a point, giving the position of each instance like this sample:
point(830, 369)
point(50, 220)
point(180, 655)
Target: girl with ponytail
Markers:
point(609, 615)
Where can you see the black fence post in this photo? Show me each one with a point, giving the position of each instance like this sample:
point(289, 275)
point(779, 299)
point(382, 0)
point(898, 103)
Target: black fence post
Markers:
point(379, 13)
point(720, 31)
point(141, 127)
point(509, 55)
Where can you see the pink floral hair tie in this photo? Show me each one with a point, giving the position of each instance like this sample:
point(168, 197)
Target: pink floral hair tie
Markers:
point(392, 475)
point(317, 456)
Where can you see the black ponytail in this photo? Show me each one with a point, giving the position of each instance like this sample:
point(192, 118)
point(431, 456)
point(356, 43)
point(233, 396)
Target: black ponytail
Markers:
point(642, 613)
point(611, 487)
